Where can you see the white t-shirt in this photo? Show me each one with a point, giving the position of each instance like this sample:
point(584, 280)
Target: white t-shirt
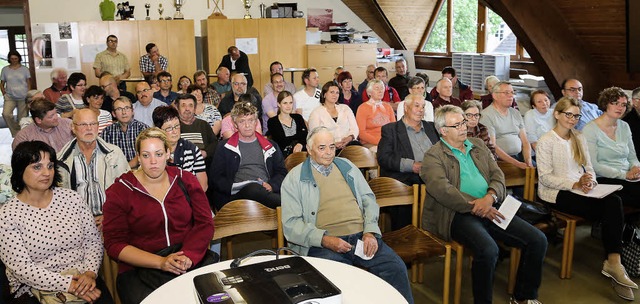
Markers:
point(306, 103)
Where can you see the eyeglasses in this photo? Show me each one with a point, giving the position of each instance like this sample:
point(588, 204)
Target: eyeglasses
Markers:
point(123, 109)
point(143, 91)
point(106, 85)
point(507, 92)
point(472, 115)
point(570, 115)
point(112, 41)
point(239, 83)
point(169, 129)
point(574, 90)
point(165, 80)
point(619, 104)
point(459, 126)
point(86, 124)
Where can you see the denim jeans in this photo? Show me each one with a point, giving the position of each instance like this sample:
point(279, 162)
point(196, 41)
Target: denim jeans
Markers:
point(479, 235)
point(385, 264)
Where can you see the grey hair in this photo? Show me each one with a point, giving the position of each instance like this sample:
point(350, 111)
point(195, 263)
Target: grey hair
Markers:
point(371, 83)
point(314, 132)
point(401, 59)
point(497, 86)
point(441, 113)
point(410, 99)
point(635, 93)
point(416, 80)
point(441, 80)
point(30, 95)
point(491, 78)
point(55, 72)
point(470, 104)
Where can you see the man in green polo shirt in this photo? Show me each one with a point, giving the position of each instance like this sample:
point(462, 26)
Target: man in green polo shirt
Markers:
point(464, 185)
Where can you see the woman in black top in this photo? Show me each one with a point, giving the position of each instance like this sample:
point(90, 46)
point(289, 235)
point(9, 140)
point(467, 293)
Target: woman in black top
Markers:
point(348, 95)
point(288, 129)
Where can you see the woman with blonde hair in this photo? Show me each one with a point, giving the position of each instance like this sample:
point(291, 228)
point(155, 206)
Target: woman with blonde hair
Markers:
point(564, 165)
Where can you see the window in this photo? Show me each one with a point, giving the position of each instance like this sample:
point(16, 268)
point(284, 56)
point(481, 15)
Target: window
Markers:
point(13, 38)
point(437, 42)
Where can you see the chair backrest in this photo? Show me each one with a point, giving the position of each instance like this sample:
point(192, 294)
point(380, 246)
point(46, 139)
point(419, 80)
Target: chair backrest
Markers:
point(244, 216)
point(360, 156)
point(514, 176)
point(391, 192)
point(294, 159)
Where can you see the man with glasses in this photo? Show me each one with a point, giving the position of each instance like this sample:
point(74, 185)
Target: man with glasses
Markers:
point(165, 94)
point(125, 130)
point(633, 119)
point(573, 88)
point(143, 108)
point(194, 129)
point(465, 187)
point(277, 68)
point(113, 62)
point(506, 127)
point(88, 164)
point(152, 62)
point(239, 86)
point(369, 75)
point(47, 126)
point(112, 92)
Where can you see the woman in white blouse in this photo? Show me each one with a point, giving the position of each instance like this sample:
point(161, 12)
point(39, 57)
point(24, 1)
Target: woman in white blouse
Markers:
point(539, 119)
point(54, 242)
point(565, 170)
point(338, 118)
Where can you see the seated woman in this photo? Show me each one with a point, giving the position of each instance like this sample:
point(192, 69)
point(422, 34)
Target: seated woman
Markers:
point(69, 102)
point(149, 209)
point(417, 86)
point(93, 99)
point(288, 129)
point(206, 111)
point(374, 114)
point(54, 243)
point(183, 83)
point(472, 109)
point(348, 95)
point(539, 120)
point(611, 146)
point(228, 128)
point(564, 165)
point(184, 154)
point(338, 118)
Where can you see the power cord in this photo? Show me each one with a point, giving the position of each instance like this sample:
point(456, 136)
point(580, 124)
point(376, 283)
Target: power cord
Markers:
point(237, 261)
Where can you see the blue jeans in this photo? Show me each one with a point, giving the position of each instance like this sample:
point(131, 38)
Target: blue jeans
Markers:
point(385, 264)
point(479, 235)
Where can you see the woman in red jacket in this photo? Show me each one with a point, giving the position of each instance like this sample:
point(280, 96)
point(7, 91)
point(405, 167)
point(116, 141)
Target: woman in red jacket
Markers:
point(150, 209)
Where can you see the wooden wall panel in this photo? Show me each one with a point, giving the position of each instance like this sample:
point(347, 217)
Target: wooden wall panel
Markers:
point(182, 48)
point(248, 28)
point(220, 35)
point(409, 19)
point(271, 44)
point(91, 32)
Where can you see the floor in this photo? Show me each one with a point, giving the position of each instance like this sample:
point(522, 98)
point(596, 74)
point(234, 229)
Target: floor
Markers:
point(586, 285)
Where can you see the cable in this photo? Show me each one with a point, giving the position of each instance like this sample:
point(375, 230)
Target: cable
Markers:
point(237, 261)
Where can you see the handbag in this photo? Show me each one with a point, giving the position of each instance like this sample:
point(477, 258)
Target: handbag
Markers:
point(533, 212)
point(631, 250)
point(55, 297)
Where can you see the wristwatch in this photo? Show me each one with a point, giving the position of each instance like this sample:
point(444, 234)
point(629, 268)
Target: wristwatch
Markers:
point(495, 197)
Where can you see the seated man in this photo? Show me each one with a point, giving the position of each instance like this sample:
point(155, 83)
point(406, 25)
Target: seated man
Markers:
point(276, 68)
point(195, 129)
point(223, 84)
point(124, 131)
point(165, 94)
point(112, 92)
point(209, 95)
point(590, 111)
point(444, 97)
point(328, 207)
point(238, 88)
point(143, 108)
point(460, 90)
point(247, 165)
point(152, 63)
point(633, 119)
point(47, 126)
point(401, 81)
point(463, 185)
point(58, 85)
point(308, 98)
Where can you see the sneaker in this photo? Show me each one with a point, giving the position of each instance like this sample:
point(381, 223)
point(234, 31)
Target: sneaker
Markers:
point(618, 273)
point(623, 291)
point(513, 301)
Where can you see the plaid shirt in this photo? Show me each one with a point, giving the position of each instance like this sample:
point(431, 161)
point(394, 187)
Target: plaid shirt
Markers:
point(211, 97)
point(147, 66)
point(126, 141)
point(481, 131)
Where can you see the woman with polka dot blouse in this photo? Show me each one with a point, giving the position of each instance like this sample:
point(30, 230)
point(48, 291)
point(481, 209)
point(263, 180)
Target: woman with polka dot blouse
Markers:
point(47, 232)
point(147, 211)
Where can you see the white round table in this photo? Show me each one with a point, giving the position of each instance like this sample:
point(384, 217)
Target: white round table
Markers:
point(357, 285)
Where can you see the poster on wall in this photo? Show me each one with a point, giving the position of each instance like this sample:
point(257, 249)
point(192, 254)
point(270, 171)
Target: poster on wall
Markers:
point(320, 18)
point(65, 30)
point(247, 45)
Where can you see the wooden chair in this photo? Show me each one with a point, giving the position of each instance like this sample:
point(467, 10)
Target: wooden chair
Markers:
point(109, 271)
point(244, 216)
point(411, 243)
point(294, 159)
point(362, 157)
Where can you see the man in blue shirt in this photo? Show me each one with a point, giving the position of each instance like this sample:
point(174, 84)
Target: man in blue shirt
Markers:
point(165, 94)
point(590, 111)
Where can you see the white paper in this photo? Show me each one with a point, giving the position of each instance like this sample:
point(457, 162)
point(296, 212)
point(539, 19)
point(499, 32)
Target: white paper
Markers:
point(508, 208)
point(600, 191)
point(89, 52)
point(247, 45)
point(360, 251)
point(62, 49)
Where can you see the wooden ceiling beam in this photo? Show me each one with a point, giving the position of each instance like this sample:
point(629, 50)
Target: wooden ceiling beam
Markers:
point(372, 15)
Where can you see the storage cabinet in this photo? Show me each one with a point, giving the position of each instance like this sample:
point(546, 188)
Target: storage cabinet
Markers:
point(353, 57)
point(473, 68)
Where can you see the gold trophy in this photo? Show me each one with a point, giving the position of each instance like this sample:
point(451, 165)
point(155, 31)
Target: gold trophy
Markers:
point(178, 15)
point(247, 5)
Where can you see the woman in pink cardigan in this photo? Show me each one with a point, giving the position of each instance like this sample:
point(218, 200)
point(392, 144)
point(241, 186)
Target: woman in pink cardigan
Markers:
point(338, 118)
point(374, 114)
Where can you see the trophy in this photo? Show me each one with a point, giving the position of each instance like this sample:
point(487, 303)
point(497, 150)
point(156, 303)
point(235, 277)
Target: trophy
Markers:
point(178, 4)
point(147, 6)
point(247, 6)
point(160, 11)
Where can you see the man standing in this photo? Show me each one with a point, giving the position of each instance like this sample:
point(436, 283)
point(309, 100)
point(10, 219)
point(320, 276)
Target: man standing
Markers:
point(223, 84)
point(460, 90)
point(58, 85)
point(152, 62)
point(390, 94)
point(125, 130)
point(209, 95)
point(112, 92)
point(328, 207)
point(113, 62)
point(307, 99)
point(165, 94)
point(363, 86)
point(464, 185)
point(238, 62)
point(239, 87)
point(401, 81)
point(143, 108)
point(194, 129)
point(276, 67)
point(573, 88)
point(444, 87)
point(46, 126)
point(88, 164)
point(247, 165)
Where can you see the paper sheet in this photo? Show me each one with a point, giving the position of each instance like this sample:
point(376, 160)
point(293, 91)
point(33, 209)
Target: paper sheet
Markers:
point(600, 191)
point(508, 208)
point(247, 45)
point(360, 251)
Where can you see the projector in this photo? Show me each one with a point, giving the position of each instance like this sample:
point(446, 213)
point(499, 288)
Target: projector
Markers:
point(289, 280)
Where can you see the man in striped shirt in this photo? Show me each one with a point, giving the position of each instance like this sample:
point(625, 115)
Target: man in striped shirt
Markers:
point(193, 129)
point(125, 130)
